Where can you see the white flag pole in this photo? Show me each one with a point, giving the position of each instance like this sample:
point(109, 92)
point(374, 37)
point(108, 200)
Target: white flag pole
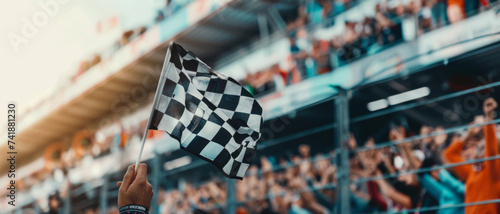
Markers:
point(144, 136)
point(161, 83)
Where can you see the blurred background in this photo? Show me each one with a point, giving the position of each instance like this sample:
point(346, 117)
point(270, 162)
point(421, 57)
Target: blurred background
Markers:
point(340, 81)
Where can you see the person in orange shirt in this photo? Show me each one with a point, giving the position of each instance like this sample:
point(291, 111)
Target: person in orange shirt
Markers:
point(481, 179)
point(456, 10)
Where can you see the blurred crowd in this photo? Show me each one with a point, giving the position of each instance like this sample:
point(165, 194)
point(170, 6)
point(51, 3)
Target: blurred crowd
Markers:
point(365, 32)
point(208, 196)
point(276, 186)
point(303, 183)
point(294, 184)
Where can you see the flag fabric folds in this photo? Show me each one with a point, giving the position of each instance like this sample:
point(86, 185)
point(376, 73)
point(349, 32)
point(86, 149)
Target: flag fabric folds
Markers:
point(211, 115)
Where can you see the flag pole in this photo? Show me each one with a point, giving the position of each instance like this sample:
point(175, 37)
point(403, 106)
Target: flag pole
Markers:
point(155, 101)
point(144, 136)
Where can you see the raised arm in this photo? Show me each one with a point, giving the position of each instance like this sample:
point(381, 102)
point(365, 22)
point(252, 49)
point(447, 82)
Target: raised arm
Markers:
point(491, 146)
point(406, 151)
point(491, 142)
point(396, 196)
point(377, 198)
point(490, 137)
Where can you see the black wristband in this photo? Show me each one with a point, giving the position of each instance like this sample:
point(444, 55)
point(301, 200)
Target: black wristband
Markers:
point(133, 209)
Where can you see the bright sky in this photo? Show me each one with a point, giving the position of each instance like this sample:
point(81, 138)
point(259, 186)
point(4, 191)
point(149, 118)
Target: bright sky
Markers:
point(55, 50)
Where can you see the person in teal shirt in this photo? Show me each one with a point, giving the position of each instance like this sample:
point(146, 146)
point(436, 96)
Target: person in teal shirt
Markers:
point(443, 186)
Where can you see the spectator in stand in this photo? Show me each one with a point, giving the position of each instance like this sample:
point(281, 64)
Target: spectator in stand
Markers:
point(159, 17)
point(425, 17)
point(300, 21)
point(278, 77)
point(54, 203)
point(442, 186)
point(340, 6)
point(439, 17)
point(472, 7)
point(328, 12)
point(350, 49)
point(268, 80)
point(261, 82)
point(314, 11)
point(483, 174)
point(432, 147)
point(367, 34)
point(383, 26)
point(299, 54)
point(172, 6)
point(456, 10)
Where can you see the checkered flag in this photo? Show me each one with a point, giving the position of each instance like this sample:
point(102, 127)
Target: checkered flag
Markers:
point(211, 115)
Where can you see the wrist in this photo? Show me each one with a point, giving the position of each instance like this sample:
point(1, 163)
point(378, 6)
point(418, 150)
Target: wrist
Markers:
point(133, 209)
point(489, 116)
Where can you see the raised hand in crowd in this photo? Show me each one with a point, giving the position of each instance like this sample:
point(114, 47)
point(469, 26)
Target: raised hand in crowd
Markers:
point(489, 107)
point(398, 134)
point(474, 135)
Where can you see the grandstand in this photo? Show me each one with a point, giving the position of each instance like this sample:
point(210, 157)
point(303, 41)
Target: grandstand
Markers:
point(358, 96)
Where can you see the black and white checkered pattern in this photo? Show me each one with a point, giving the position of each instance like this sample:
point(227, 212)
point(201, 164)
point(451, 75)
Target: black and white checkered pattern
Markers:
point(211, 115)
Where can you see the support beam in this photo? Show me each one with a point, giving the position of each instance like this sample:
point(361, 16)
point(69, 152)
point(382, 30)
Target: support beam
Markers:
point(103, 200)
point(236, 30)
point(342, 145)
point(155, 181)
point(276, 21)
point(66, 200)
point(263, 28)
